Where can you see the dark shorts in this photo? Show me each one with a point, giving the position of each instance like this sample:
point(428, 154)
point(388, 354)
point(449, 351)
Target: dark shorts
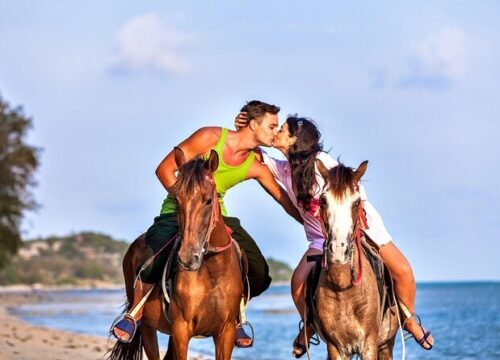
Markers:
point(165, 227)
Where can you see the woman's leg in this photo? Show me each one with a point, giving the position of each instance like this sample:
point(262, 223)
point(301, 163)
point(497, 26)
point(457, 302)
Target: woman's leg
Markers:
point(299, 279)
point(404, 286)
point(298, 288)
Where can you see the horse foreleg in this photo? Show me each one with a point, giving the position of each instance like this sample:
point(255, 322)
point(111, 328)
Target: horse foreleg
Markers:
point(150, 342)
point(334, 353)
point(170, 351)
point(370, 349)
point(224, 341)
point(180, 340)
point(385, 350)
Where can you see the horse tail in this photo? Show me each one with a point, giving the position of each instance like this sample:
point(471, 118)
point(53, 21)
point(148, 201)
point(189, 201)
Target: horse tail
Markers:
point(128, 351)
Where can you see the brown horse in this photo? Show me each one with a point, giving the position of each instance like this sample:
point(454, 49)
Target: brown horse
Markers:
point(349, 314)
point(208, 284)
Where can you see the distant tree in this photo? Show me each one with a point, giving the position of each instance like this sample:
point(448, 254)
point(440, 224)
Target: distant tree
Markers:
point(18, 162)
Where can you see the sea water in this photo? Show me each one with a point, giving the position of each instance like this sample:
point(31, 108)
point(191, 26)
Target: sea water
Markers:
point(464, 319)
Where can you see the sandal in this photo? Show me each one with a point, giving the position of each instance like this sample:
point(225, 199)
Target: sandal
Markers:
point(302, 349)
point(423, 341)
point(124, 328)
point(243, 340)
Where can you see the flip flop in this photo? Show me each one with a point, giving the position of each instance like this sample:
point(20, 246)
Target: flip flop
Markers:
point(423, 340)
point(313, 340)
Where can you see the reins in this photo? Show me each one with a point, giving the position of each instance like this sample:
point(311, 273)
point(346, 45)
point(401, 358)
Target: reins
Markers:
point(361, 224)
point(213, 220)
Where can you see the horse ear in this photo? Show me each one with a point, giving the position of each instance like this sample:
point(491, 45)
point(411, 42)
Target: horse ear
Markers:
point(180, 159)
point(213, 161)
point(360, 171)
point(322, 169)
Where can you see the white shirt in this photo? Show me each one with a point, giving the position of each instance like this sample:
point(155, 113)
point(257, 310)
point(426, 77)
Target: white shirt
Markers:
point(312, 225)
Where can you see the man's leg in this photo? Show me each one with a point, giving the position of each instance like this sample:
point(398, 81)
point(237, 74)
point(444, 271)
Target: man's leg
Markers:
point(162, 231)
point(258, 270)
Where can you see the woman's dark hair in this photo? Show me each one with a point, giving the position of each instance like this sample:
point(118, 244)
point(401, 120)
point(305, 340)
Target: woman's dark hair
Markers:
point(302, 157)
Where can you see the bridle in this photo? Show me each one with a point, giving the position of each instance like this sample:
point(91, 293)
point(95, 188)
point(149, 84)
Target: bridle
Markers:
point(214, 216)
point(356, 240)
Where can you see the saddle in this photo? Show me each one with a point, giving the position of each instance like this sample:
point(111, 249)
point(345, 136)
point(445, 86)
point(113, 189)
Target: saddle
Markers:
point(384, 281)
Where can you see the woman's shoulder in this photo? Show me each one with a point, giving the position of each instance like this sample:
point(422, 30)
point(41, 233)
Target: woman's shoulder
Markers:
point(326, 159)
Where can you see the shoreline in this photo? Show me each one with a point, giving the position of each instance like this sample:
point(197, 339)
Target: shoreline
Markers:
point(23, 341)
point(20, 340)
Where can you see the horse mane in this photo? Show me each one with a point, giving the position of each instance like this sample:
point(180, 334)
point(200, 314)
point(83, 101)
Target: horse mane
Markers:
point(341, 179)
point(191, 174)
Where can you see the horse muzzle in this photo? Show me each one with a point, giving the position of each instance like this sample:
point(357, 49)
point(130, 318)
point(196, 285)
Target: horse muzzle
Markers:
point(191, 263)
point(337, 252)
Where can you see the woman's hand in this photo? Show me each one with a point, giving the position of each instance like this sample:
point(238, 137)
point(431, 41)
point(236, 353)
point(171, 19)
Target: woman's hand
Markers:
point(241, 120)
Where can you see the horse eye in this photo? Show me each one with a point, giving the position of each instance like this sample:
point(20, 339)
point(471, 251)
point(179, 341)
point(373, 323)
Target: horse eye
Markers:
point(323, 200)
point(209, 201)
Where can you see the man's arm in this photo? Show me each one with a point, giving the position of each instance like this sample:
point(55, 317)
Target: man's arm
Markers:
point(263, 175)
point(199, 143)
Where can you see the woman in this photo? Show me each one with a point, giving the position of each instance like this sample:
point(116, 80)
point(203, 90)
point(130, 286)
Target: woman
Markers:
point(299, 141)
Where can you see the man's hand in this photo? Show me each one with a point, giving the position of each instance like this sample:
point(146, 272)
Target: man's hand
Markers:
point(241, 120)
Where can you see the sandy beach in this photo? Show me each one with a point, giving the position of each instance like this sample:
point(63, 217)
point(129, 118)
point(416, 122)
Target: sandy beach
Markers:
point(22, 341)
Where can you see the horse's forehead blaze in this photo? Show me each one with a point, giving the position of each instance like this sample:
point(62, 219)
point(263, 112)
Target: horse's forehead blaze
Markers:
point(340, 211)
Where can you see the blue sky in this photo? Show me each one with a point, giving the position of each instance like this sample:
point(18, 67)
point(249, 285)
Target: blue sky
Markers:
point(412, 87)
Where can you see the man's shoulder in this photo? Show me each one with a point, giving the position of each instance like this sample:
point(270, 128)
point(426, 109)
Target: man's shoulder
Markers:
point(209, 131)
point(208, 135)
point(257, 169)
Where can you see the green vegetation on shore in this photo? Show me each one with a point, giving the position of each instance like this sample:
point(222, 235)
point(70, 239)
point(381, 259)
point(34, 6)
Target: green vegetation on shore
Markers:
point(86, 258)
point(81, 259)
point(18, 163)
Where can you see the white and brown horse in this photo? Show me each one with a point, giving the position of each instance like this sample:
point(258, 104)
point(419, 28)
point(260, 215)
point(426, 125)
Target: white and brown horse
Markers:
point(349, 314)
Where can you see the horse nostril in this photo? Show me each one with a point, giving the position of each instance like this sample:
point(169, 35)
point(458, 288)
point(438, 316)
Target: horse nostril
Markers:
point(196, 258)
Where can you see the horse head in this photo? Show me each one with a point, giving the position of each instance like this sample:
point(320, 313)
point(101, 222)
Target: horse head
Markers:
point(339, 209)
point(197, 206)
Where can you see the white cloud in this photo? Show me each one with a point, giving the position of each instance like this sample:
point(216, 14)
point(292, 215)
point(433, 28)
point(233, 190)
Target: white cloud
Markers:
point(438, 61)
point(444, 54)
point(148, 42)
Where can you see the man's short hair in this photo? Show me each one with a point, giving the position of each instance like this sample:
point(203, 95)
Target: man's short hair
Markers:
point(256, 109)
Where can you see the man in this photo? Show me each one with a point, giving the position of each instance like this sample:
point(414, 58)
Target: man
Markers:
point(237, 163)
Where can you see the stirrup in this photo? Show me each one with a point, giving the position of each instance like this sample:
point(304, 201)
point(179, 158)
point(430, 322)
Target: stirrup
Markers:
point(130, 325)
point(240, 326)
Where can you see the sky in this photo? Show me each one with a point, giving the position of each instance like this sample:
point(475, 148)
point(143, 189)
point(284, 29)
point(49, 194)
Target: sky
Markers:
point(413, 87)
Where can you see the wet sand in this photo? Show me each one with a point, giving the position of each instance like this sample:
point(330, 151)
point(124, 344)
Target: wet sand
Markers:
point(22, 341)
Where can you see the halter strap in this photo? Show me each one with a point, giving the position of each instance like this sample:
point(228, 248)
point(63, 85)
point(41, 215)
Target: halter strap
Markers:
point(361, 224)
point(213, 220)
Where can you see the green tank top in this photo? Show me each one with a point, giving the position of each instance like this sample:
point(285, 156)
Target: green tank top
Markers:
point(225, 176)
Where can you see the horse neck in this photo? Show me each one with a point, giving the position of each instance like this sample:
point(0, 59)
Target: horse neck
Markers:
point(219, 235)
